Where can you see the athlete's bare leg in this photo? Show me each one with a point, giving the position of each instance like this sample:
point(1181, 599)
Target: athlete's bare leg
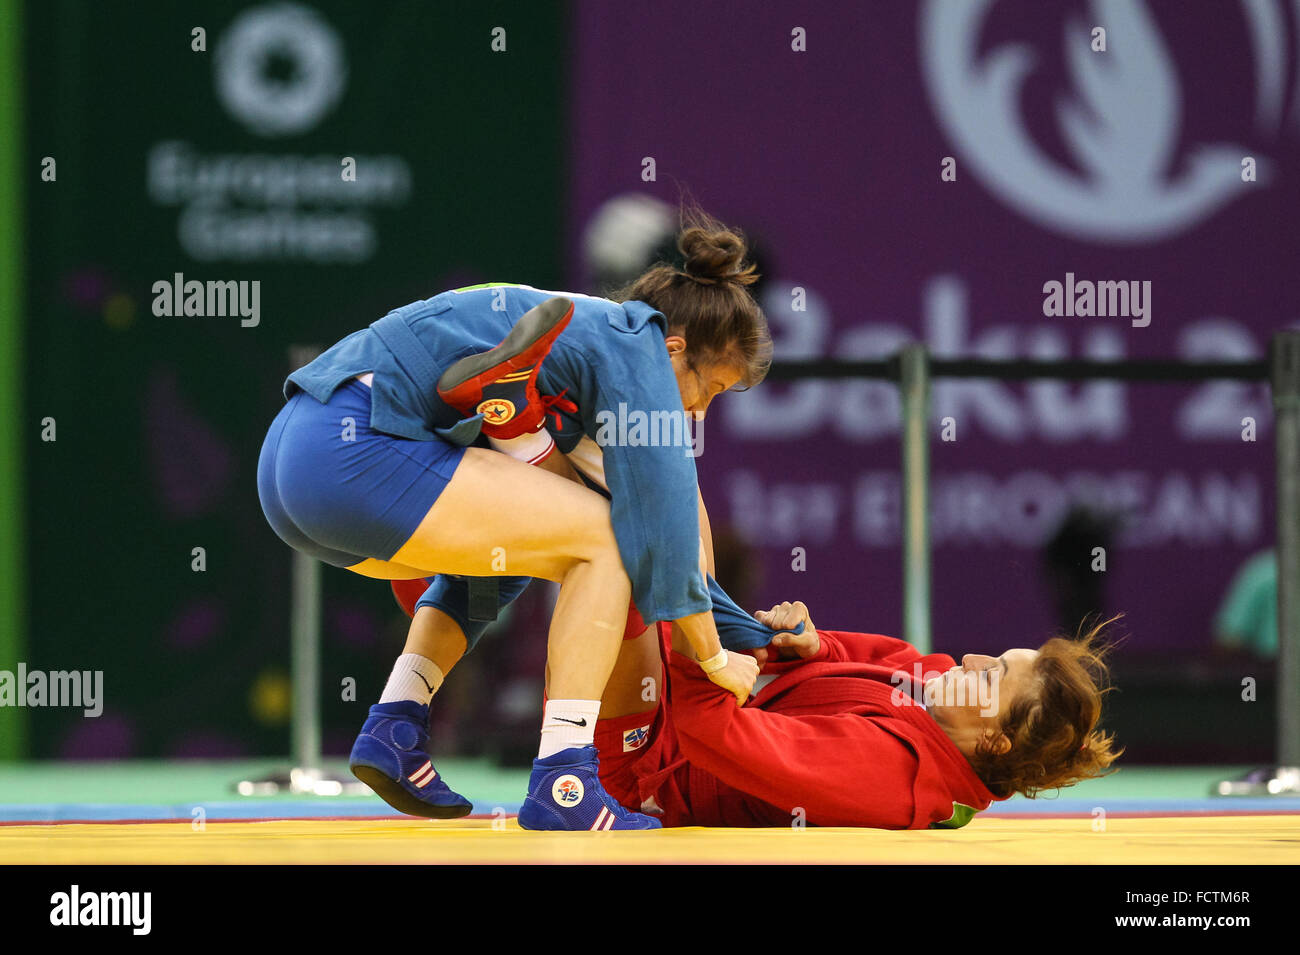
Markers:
point(500, 516)
point(437, 637)
point(636, 685)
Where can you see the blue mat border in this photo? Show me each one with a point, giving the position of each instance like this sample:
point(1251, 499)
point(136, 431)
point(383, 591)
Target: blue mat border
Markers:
point(244, 809)
point(317, 809)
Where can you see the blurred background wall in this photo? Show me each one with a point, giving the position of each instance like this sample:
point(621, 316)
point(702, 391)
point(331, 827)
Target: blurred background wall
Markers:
point(551, 144)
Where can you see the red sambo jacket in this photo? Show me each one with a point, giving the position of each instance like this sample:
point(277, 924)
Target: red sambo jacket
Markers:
point(833, 736)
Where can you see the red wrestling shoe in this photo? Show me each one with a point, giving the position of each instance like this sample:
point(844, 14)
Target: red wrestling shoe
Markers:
point(501, 384)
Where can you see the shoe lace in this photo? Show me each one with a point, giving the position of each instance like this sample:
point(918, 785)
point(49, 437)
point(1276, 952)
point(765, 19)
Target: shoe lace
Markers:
point(552, 402)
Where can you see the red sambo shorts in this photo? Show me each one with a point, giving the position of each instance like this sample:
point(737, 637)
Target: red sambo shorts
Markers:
point(642, 767)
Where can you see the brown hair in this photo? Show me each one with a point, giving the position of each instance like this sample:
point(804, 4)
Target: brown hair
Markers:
point(1054, 737)
point(707, 300)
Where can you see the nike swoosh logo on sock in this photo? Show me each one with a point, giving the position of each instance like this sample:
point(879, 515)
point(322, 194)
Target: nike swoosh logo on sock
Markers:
point(581, 722)
point(422, 679)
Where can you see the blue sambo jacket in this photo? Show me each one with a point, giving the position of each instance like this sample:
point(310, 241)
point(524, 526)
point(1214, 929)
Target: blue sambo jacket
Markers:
point(610, 361)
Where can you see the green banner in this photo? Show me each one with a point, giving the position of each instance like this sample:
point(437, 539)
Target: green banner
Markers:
point(208, 188)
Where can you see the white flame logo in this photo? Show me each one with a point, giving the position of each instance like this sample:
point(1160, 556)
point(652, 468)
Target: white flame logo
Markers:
point(1121, 127)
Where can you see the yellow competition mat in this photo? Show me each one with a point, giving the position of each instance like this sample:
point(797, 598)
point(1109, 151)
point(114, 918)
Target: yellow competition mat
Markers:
point(1225, 839)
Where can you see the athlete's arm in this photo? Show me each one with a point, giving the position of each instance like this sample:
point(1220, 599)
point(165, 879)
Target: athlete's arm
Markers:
point(830, 646)
point(848, 647)
point(740, 670)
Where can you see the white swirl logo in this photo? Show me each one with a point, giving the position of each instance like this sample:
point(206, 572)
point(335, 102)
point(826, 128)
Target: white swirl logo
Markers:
point(279, 69)
point(1121, 127)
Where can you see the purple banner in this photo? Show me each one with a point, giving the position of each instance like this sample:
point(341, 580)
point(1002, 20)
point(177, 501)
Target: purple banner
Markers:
point(925, 172)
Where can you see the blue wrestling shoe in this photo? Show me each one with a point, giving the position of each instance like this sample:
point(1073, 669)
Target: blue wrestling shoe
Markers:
point(564, 793)
point(389, 757)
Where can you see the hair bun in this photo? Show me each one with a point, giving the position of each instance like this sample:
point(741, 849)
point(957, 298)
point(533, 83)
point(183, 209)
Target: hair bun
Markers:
point(714, 256)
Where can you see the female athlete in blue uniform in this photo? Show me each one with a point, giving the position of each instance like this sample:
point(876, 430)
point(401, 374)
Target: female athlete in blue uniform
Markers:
point(368, 466)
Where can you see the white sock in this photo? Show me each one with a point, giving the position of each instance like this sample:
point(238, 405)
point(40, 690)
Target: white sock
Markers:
point(529, 448)
point(566, 724)
point(413, 678)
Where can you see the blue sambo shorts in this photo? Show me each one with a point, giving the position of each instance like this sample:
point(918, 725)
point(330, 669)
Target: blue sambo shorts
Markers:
point(341, 492)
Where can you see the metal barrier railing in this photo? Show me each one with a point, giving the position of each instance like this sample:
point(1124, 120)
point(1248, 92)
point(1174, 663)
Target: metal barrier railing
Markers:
point(913, 369)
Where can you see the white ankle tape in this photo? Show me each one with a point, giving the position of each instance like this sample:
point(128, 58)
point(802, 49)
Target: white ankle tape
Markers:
point(529, 448)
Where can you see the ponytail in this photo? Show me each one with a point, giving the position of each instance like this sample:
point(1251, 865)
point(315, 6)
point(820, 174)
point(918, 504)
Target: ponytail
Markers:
point(707, 300)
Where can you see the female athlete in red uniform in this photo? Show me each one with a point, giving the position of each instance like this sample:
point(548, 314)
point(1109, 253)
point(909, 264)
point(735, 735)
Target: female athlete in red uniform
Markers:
point(848, 729)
